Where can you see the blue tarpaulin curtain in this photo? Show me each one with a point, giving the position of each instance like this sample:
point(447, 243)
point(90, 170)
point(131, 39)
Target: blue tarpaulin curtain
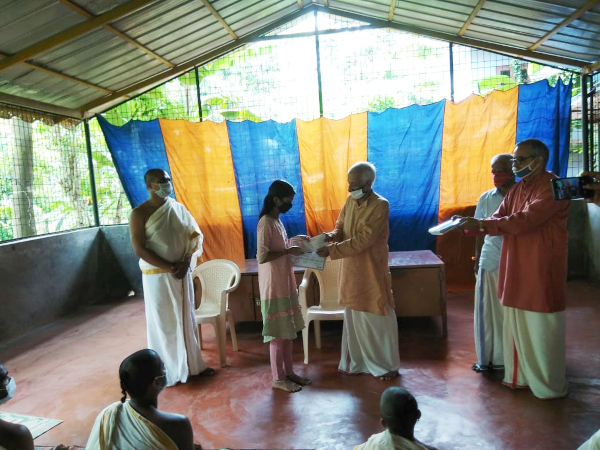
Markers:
point(262, 153)
point(405, 145)
point(544, 113)
point(136, 147)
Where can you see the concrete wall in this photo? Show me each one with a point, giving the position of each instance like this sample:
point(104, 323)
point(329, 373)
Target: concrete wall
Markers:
point(44, 278)
point(117, 244)
point(47, 277)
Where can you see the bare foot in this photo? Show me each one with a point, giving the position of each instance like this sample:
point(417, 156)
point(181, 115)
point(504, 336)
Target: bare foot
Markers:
point(389, 376)
point(299, 380)
point(286, 385)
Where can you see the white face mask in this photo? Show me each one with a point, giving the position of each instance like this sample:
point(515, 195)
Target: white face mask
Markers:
point(11, 387)
point(358, 193)
point(165, 189)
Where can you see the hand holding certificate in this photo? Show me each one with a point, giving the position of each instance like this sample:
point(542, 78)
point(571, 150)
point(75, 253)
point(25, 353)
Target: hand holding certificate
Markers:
point(447, 226)
point(309, 258)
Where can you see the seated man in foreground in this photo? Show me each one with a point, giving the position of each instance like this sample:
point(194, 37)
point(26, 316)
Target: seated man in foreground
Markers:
point(399, 414)
point(14, 436)
point(138, 424)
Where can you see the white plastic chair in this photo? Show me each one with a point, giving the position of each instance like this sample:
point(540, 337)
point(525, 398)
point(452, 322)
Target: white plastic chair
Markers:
point(328, 308)
point(218, 277)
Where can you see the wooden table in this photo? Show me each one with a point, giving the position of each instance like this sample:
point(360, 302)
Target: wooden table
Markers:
point(419, 285)
point(418, 282)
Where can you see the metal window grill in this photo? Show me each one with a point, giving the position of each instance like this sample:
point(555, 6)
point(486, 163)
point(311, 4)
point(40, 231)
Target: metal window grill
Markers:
point(345, 67)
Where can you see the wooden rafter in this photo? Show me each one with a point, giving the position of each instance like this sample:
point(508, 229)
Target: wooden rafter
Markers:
point(61, 75)
point(576, 15)
point(214, 12)
point(392, 9)
point(472, 42)
point(591, 68)
point(99, 104)
point(471, 17)
point(74, 32)
point(116, 32)
point(40, 106)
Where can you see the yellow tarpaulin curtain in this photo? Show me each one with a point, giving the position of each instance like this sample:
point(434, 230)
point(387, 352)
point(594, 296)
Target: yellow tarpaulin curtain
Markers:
point(475, 130)
point(204, 181)
point(327, 150)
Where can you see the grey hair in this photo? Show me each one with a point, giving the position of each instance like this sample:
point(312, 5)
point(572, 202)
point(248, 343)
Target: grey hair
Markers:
point(537, 147)
point(366, 171)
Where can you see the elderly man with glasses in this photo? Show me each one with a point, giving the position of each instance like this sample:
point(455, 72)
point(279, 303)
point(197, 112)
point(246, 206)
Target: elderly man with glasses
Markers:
point(532, 275)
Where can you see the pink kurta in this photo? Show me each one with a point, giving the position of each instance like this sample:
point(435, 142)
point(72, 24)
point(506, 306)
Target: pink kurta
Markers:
point(282, 315)
point(533, 261)
point(361, 239)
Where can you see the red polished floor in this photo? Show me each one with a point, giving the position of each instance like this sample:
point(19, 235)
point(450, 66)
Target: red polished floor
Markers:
point(68, 371)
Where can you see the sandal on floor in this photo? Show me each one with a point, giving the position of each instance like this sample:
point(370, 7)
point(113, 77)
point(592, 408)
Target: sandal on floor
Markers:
point(479, 368)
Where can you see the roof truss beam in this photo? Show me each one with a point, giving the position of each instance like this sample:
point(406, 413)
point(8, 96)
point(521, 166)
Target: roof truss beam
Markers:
point(576, 15)
point(40, 106)
point(116, 32)
point(99, 105)
point(471, 17)
point(74, 32)
point(392, 9)
point(484, 45)
point(217, 16)
point(62, 75)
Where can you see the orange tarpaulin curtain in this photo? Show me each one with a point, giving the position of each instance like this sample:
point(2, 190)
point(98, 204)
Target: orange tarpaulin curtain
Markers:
point(475, 130)
point(328, 148)
point(204, 181)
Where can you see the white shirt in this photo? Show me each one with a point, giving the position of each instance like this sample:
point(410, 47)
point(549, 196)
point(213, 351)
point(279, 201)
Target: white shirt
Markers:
point(488, 203)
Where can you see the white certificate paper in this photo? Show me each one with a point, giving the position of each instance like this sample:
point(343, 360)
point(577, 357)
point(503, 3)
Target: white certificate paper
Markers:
point(309, 258)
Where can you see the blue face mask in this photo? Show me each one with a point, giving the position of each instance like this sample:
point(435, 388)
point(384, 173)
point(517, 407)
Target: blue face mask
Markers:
point(524, 172)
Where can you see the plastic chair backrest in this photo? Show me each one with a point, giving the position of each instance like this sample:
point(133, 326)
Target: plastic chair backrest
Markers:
point(329, 285)
point(216, 276)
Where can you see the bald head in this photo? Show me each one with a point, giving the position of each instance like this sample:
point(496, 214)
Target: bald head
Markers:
point(399, 410)
point(502, 163)
point(156, 176)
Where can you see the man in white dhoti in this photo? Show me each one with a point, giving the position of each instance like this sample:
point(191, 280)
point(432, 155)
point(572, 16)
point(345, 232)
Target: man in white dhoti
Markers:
point(360, 237)
point(399, 414)
point(168, 241)
point(137, 423)
point(489, 312)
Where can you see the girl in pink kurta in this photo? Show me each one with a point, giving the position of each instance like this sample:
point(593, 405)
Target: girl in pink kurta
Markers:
point(282, 317)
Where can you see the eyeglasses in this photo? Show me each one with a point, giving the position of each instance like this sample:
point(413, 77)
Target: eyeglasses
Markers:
point(521, 159)
point(164, 375)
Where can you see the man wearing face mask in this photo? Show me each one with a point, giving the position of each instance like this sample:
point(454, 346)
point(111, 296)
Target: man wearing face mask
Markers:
point(168, 241)
point(12, 435)
point(489, 313)
point(532, 275)
point(360, 237)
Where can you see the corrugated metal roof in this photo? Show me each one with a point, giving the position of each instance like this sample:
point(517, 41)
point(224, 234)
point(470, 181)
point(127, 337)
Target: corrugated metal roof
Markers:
point(57, 54)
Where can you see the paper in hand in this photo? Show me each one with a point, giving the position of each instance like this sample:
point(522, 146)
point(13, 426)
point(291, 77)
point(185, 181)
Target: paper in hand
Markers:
point(309, 258)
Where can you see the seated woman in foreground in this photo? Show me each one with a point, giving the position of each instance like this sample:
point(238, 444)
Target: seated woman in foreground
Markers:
point(138, 424)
